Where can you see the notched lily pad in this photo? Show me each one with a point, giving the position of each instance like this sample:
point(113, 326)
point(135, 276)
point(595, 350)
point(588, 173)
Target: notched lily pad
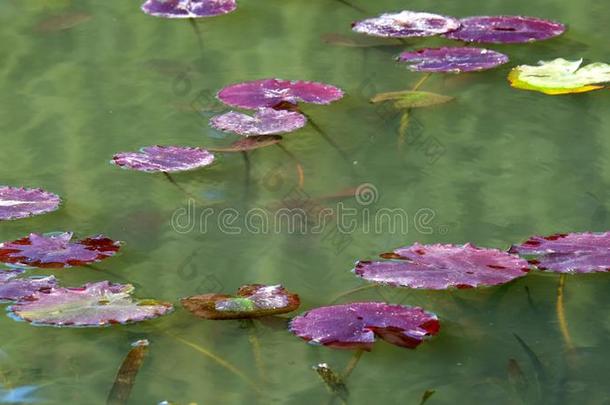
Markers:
point(169, 159)
point(57, 250)
point(452, 59)
point(266, 121)
point(355, 325)
point(438, 267)
point(250, 143)
point(18, 202)
point(505, 29)
point(406, 24)
point(14, 288)
point(278, 93)
point(411, 99)
point(92, 305)
point(251, 301)
point(560, 76)
point(188, 8)
point(568, 252)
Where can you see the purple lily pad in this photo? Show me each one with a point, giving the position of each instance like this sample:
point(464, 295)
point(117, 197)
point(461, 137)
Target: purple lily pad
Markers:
point(188, 8)
point(266, 121)
point(94, 305)
point(169, 159)
point(355, 325)
point(16, 202)
point(13, 288)
point(57, 251)
point(505, 29)
point(452, 59)
point(277, 93)
point(568, 253)
point(438, 267)
point(251, 301)
point(406, 24)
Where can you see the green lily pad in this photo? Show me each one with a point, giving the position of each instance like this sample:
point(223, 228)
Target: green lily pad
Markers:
point(560, 76)
point(411, 99)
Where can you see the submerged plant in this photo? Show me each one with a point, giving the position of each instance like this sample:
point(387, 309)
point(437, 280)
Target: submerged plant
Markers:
point(560, 76)
point(93, 305)
point(505, 29)
point(18, 202)
point(57, 250)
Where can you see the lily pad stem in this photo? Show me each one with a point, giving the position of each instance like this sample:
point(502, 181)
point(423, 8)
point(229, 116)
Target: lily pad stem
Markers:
point(561, 316)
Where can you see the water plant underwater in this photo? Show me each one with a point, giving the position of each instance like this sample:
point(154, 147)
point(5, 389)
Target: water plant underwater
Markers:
point(42, 301)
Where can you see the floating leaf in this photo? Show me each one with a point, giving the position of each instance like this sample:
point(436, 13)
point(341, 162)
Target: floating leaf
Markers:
point(357, 41)
point(355, 325)
point(57, 251)
point(411, 99)
point(250, 143)
point(188, 8)
point(17, 202)
point(266, 121)
point(505, 29)
point(406, 24)
point(276, 92)
point(93, 305)
point(452, 59)
point(568, 252)
point(13, 288)
point(438, 267)
point(560, 76)
point(251, 301)
point(169, 159)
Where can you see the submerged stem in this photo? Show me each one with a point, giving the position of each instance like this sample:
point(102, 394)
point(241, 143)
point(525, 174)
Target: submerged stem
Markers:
point(219, 360)
point(193, 23)
point(327, 138)
point(353, 291)
point(246, 157)
point(256, 350)
point(561, 316)
point(355, 7)
point(297, 162)
point(405, 118)
point(352, 364)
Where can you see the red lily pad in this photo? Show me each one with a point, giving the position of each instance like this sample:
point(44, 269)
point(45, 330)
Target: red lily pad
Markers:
point(13, 288)
point(93, 305)
point(505, 29)
point(17, 202)
point(452, 59)
point(275, 93)
point(250, 143)
point(438, 267)
point(406, 24)
point(57, 250)
point(169, 159)
point(355, 325)
point(266, 121)
point(568, 252)
point(188, 8)
point(251, 301)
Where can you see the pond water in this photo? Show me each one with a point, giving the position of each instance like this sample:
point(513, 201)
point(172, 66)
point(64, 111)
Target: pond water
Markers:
point(491, 167)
